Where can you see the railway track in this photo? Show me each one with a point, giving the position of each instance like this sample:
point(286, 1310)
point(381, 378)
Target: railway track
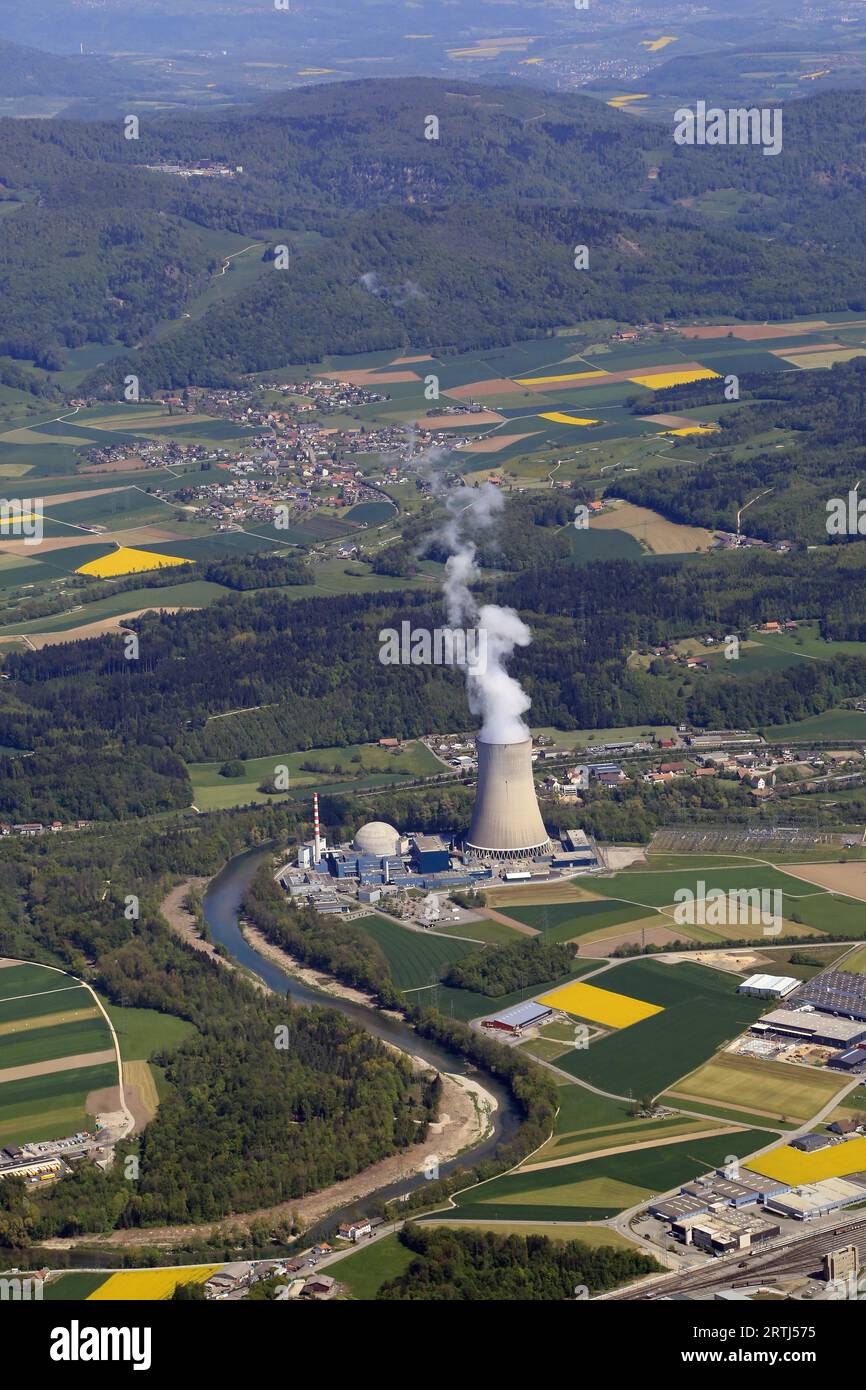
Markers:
point(800, 1256)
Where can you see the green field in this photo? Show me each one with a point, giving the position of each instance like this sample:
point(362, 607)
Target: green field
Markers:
point(18, 980)
point(51, 1106)
point(141, 1032)
point(415, 958)
point(570, 921)
point(483, 931)
point(596, 1237)
point(366, 1269)
point(700, 1010)
point(601, 1187)
point(784, 1091)
point(21, 1049)
point(198, 593)
point(577, 738)
point(55, 1001)
point(73, 1288)
point(587, 1122)
point(376, 766)
point(855, 964)
point(657, 889)
point(842, 724)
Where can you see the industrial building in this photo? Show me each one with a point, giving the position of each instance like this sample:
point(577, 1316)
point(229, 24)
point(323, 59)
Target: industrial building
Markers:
point(812, 1200)
point(836, 992)
point(716, 1192)
point(811, 1143)
point(722, 1232)
point(852, 1061)
point(768, 986)
point(506, 820)
point(518, 1017)
point(430, 854)
point(809, 1025)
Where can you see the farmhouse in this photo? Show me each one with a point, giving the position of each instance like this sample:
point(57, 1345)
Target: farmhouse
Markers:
point(354, 1230)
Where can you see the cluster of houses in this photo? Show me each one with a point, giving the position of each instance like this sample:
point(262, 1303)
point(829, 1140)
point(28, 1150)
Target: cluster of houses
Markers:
point(29, 829)
point(233, 1281)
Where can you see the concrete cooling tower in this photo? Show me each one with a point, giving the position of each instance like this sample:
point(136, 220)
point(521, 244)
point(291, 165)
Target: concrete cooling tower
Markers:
point(506, 821)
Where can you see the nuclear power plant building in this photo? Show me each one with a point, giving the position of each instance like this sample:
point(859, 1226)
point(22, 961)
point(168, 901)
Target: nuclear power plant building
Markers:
point(506, 839)
point(506, 821)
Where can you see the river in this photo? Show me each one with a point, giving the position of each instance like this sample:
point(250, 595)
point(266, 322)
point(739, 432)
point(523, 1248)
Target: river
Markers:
point(222, 908)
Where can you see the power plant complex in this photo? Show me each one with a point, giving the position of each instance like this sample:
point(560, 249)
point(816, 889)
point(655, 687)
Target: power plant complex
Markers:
point(506, 839)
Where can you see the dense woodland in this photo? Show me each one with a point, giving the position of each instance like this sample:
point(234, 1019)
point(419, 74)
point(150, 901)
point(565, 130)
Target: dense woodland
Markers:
point(347, 174)
point(504, 969)
point(481, 1266)
point(311, 672)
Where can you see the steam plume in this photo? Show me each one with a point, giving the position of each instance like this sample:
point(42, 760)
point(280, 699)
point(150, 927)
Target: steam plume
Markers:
point(495, 696)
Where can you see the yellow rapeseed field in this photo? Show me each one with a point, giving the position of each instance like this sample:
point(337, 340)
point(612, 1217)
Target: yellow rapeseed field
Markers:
point(791, 1166)
point(567, 376)
point(599, 1005)
point(663, 379)
point(693, 429)
point(125, 560)
point(655, 44)
point(623, 101)
point(149, 1285)
point(560, 418)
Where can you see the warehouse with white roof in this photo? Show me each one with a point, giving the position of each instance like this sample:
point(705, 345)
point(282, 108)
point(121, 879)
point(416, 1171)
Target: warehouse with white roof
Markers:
point(768, 986)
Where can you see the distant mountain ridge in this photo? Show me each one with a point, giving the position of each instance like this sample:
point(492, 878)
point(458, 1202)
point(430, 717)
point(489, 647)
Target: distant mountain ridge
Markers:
point(28, 71)
point(482, 221)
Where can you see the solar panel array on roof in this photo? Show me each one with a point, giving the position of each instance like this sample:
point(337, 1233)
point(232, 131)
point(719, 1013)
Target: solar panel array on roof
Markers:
point(836, 992)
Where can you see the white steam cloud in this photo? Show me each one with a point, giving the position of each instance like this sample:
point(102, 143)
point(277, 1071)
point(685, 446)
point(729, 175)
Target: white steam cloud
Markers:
point(397, 294)
point(495, 696)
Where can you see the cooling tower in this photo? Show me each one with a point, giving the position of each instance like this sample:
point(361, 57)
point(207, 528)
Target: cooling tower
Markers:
point(506, 821)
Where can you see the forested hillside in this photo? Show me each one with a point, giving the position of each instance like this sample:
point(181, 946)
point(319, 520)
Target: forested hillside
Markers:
point(307, 674)
point(347, 174)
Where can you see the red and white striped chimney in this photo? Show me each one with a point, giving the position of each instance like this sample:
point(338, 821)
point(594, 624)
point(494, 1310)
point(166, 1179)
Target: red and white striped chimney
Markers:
point(317, 841)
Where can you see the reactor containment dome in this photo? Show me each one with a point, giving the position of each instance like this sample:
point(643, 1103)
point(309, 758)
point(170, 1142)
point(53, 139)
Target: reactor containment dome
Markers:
point(377, 838)
point(506, 821)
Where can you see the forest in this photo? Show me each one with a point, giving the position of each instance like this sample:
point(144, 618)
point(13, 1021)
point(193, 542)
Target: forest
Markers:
point(504, 969)
point(481, 1266)
point(306, 674)
point(139, 245)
